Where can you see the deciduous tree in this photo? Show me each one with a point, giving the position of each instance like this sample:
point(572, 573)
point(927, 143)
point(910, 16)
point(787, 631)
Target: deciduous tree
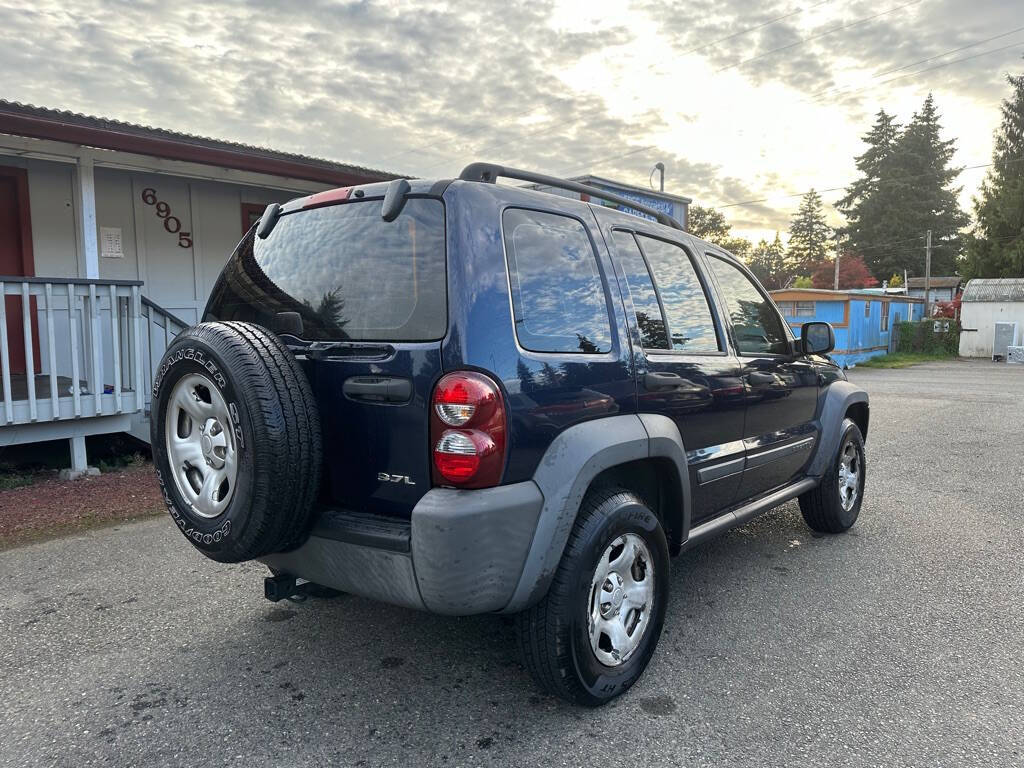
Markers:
point(768, 263)
point(853, 273)
point(709, 224)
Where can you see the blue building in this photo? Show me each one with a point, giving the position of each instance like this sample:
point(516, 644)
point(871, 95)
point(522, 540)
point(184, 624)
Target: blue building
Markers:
point(862, 319)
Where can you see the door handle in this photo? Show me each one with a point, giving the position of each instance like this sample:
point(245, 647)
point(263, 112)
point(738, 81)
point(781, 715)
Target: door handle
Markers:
point(762, 379)
point(378, 389)
point(663, 380)
point(656, 380)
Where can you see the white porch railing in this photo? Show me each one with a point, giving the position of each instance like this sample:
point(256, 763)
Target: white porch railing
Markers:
point(160, 329)
point(87, 334)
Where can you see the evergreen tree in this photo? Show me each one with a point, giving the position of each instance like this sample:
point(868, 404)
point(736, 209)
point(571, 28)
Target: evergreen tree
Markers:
point(809, 236)
point(872, 212)
point(996, 247)
point(905, 189)
point(768, 263)
point(928, 201)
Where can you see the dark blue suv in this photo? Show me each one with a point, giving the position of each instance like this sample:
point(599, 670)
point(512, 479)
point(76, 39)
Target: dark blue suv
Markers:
point(467, 397)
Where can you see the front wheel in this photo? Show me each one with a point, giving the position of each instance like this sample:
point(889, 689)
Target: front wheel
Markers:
point(834, 505)
point(592, 635)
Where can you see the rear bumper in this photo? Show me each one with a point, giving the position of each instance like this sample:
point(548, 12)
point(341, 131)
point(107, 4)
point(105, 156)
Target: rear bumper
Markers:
point(466, 553)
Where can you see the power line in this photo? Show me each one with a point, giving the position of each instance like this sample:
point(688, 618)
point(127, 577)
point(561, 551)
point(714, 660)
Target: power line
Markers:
point(753, 28)
point(946, 53)
point(597, 163)
point(845, 187)
point(847, 92)
point(819, 36)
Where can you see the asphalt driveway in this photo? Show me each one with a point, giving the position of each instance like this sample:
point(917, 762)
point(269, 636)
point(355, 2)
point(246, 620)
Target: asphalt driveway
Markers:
point(899, 643)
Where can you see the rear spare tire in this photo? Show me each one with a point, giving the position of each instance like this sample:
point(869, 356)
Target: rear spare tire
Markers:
point(236, 441)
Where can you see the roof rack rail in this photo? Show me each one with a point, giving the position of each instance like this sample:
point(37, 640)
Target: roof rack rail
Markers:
point(489, 173)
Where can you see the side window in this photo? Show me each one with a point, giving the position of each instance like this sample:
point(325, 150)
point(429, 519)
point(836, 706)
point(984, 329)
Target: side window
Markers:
point(557, 294)
point(885, 317)
point(690, 325)
point(641, 289)
point(755, 322)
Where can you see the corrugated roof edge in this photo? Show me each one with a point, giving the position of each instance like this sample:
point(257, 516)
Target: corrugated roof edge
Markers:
point(994, 289)
point(61, 125)
point(828, 293)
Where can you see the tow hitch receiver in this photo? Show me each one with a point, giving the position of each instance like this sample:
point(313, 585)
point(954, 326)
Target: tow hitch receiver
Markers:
point(284, 587)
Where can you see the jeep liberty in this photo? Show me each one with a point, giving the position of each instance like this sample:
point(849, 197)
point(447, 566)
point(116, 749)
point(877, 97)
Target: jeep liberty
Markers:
point(466, 397)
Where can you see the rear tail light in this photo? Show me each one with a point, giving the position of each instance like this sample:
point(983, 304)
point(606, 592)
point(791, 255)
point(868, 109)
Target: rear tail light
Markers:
point(467, 431)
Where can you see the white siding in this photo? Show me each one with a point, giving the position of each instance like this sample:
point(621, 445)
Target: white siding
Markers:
point(176, 276)
point(978, 319)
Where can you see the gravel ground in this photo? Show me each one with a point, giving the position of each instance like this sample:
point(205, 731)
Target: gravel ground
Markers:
point(50, 506)
point(899, 643)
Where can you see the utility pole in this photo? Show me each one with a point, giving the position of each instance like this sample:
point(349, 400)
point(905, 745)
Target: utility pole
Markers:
point(835, 280)
point(927, 272)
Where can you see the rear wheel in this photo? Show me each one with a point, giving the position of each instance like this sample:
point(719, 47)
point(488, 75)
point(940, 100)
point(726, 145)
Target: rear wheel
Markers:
point(592, 635)
point(834, 505)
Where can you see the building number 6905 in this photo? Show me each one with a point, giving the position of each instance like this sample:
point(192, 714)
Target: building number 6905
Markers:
point(171, 223)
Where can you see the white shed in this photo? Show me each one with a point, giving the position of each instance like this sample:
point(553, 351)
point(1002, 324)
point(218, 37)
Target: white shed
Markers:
point(986, 302)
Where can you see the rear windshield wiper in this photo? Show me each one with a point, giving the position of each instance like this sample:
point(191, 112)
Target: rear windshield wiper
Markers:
point(320, 350)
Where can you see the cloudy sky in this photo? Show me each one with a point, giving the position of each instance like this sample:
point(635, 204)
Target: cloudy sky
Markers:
point(741, 100)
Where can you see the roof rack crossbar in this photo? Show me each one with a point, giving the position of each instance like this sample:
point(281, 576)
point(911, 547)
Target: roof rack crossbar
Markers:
point(489, 173)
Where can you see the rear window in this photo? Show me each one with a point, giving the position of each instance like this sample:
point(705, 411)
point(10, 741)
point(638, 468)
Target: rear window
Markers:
point(557, 293)
point(349, 274)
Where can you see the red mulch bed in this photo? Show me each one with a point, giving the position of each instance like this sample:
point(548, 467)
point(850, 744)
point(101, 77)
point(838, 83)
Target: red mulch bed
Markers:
point(54, 506)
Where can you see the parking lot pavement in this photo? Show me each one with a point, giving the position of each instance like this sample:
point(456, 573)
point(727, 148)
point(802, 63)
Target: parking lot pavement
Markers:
point(899, 643)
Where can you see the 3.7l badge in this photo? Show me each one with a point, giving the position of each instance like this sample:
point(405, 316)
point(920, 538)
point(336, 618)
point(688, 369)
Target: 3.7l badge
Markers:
point(384, 477)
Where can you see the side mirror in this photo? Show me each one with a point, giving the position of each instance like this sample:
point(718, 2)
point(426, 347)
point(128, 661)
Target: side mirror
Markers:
point(817, 338)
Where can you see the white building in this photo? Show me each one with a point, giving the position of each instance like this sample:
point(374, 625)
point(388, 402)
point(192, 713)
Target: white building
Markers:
point(985, 303)
point(111, 237)
point(939, 288)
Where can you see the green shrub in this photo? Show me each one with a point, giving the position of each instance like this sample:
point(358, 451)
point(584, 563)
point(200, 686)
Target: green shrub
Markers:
point(920, 337)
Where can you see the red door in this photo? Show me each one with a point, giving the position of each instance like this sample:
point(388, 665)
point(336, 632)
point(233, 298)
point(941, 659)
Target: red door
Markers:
point(16, 260)
point(250, 213)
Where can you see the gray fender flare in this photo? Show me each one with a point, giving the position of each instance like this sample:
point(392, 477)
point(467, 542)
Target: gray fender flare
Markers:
point(837, 399)
point(572, 461)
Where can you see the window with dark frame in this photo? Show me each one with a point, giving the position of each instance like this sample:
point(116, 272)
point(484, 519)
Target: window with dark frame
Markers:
point(649, 318)
point(558, 296)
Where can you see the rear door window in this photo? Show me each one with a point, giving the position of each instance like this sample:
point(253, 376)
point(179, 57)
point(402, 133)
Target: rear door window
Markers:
point(558, 297)
point(346, 272)
point(649, 318)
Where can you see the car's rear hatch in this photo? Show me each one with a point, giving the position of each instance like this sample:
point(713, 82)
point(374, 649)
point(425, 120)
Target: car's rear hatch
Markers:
point(363, 304)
